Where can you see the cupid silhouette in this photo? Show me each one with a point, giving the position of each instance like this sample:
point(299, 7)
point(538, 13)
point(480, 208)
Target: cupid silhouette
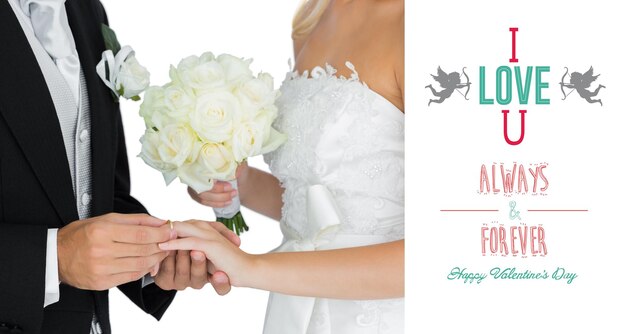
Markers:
point(449, 83)
point(579, 83)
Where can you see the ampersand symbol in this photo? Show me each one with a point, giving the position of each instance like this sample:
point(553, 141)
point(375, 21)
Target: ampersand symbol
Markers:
point(513, 213)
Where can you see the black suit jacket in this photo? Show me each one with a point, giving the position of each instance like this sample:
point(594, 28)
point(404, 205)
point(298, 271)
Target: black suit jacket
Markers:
point(35, 183)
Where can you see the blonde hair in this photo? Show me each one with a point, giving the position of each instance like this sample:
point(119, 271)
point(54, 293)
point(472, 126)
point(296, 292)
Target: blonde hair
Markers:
point(307, 17)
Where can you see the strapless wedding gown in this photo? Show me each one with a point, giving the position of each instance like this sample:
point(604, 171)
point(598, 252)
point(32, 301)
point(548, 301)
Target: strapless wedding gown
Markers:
point(342, 168)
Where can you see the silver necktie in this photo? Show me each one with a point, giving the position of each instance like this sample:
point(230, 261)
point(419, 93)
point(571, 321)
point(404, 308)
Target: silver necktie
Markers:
point(51, 26)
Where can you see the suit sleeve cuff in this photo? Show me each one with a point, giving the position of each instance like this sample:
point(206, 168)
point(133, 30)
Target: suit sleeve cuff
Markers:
point(52, 294)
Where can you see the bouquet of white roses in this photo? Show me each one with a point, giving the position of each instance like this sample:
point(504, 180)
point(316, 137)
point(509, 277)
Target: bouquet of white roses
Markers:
point(211, 117)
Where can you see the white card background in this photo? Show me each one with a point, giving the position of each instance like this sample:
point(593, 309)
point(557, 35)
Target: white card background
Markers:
point(582, 143)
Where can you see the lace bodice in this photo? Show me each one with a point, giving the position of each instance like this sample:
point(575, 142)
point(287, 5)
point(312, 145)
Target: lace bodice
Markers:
point(342, 169)
point(342, 135)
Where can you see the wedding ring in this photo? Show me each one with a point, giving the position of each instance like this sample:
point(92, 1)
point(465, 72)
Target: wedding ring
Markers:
point(171, 224)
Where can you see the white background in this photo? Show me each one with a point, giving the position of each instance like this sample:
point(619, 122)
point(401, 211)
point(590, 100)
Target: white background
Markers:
point(163, 32)
point(582, 143)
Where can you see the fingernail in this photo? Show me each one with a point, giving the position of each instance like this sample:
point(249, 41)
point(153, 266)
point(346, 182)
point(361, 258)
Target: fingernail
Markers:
point(197, 257)
point(233, 194)
point(228, 187)
point(229, 202)
point(164, 245)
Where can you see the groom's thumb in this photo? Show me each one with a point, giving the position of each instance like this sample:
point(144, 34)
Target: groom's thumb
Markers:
point(220, 282)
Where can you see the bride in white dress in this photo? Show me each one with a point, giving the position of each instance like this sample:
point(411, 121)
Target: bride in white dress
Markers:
point(337, 184)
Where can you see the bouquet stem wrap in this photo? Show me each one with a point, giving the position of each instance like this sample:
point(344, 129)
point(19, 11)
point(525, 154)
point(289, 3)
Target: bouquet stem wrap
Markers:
point(231, 215)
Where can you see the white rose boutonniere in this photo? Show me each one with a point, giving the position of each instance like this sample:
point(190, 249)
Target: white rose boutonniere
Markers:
point(120, 70)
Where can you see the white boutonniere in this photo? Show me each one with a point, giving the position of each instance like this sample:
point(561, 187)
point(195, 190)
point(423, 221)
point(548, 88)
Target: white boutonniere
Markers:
point(120, 70)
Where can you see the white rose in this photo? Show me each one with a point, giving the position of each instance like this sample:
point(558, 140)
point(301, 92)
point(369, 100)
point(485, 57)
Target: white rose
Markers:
point(246, 142)
point(176, 144)
point(263, 121)
point(187, 64)
point(179, 102)
point(207, 57)
point(218, 160)
point(153, 109)
point(175, 76)
point(214, 162)
point(162, 120)
point(184, 65)
point(271, 111)
point(273, 142)
point(271, 138)
point(132, 79)
point(237, 70)
point(195, 176)
point(268, 79)
point(213, 117)
point(150, 143)
point(204, 77)
point(255, 94)
point(122, 73)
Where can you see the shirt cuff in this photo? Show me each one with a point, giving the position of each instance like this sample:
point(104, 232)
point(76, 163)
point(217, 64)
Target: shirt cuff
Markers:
point(52, 293)
point(146, 280)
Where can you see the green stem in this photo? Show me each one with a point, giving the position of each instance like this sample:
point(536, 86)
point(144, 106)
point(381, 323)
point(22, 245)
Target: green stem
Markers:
point(236, 224)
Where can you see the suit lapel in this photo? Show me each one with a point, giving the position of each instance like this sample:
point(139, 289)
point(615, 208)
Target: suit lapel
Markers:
point(85, 25)
point(27, 108)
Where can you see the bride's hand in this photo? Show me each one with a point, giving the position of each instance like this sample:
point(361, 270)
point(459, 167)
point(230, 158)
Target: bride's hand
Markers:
point(222, 193)
point(205, 237)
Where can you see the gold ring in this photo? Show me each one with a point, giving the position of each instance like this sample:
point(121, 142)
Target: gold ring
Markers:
point(171, 224)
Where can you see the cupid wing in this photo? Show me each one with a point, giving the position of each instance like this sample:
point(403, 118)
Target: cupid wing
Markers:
point(588, 77)
point(441, 76)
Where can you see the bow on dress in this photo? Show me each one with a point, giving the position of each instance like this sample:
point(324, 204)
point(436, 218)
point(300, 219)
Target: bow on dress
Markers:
point(292, 314)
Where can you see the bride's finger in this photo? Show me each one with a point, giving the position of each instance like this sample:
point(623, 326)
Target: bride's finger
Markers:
point(205, 230)
point(219, 227)
point(193, 228)
point(194, 195)
point(188, 243)
point(216, 204)
point(217, 197)
point(240, 169)
point(225, 232)
point(221, 187)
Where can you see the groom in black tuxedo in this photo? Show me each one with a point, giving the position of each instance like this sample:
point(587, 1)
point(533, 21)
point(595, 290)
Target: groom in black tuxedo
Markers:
point(63, 170)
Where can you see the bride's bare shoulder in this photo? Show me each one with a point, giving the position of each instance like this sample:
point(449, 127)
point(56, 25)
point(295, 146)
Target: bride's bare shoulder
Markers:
point(390, 12)
point(390, 17)
point(392, 8)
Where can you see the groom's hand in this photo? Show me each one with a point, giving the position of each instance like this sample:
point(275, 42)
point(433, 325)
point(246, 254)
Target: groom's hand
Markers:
point(183, 269)
point(103, 252)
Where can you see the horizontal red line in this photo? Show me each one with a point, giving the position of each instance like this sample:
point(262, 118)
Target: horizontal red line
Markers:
point(469, 210)
point(559, 210)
